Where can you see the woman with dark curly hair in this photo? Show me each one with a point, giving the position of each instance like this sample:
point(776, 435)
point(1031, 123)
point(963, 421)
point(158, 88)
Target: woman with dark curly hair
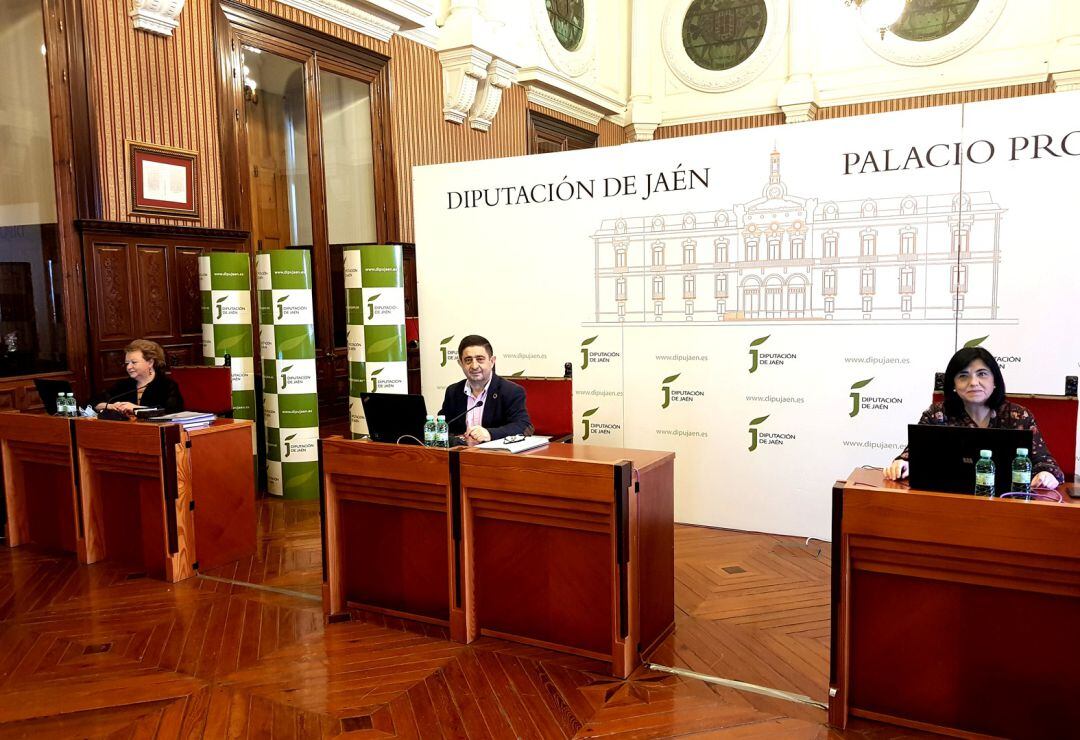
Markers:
point(975, 397)
point(147, 383)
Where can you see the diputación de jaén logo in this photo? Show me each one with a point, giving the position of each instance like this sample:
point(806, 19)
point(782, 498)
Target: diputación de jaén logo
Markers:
point(443, 350)
point(754, 353)
point(855, 396)
point(665, 388)
point(585, 351)
point(586, 423)
point(754, 423)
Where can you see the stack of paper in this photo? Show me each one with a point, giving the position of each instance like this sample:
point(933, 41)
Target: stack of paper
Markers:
point(188, 419)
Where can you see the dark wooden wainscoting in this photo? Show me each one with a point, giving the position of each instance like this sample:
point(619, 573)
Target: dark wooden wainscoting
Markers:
point(143, 282)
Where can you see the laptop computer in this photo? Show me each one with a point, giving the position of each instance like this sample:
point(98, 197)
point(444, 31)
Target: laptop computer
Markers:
point(943, 458)
point(48, 390)
point(395, 416)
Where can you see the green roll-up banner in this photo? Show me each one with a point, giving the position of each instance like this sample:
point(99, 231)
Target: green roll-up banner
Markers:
point(287, 350)
point(375, 315)
point(225, 285)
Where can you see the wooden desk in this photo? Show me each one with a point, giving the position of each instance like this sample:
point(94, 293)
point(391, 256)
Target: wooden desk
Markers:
point(954, 613)
point(570, 547)
point(387, 530)
point(39, 488)
point(555, 547)
point(143, 478)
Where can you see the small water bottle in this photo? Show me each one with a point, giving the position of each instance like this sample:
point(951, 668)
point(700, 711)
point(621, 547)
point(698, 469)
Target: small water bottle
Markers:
point(1021, 471)
point(984, 475)
point(68, 404)
point(73, 405)
point(429, 431)
point(61, 404)
point(442, 432)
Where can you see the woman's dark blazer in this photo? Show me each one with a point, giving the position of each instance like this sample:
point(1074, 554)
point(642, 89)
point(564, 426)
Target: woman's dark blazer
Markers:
point(162, 392)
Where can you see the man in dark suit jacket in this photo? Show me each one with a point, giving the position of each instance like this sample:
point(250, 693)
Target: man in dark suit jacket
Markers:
point(503, 412)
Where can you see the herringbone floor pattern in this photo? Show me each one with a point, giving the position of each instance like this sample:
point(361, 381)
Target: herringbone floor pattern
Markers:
point(99, 652)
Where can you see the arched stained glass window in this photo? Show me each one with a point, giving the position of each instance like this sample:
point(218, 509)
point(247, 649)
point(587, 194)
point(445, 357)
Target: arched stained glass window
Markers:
point(926, 20)
point(721, 34)
point(567, 19)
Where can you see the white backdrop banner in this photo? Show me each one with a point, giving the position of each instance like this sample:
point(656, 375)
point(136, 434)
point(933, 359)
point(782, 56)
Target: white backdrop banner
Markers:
point(771, 304)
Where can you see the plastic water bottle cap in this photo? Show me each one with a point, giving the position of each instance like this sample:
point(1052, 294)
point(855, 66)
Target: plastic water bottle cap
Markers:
point(984, 453)
point(1021, 452)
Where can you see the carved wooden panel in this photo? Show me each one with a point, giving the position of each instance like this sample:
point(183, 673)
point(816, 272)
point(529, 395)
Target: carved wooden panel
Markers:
point(7, 399)
point(113, 291)
point(145, 284)
point(186, 283)
point(152, 293)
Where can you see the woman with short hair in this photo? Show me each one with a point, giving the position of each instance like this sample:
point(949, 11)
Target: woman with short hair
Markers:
point(975, 397)
point(147, 383)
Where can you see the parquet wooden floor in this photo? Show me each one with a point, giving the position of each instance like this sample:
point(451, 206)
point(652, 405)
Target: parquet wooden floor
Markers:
point(94, 651)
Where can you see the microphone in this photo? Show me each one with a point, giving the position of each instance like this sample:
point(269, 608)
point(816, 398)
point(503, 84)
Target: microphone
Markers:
point(465, 412)
point(113, 414)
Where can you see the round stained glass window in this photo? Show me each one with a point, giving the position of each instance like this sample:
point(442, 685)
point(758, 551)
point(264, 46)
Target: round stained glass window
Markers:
point(926, 20)
point(721, 34)
point(567, 18)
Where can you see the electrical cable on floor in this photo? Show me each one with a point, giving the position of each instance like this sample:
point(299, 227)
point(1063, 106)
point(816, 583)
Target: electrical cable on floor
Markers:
point(260, 587)
point(739, 685)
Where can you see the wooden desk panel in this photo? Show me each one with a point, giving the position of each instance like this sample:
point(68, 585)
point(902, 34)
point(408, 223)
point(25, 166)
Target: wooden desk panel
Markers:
point(223, 489)
point(129, 483)
point(570, 547)
point(38, 483)
point(948, 610)
point(388, 540)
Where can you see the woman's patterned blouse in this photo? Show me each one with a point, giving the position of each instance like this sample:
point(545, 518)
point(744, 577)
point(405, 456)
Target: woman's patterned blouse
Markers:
point(1007, 416)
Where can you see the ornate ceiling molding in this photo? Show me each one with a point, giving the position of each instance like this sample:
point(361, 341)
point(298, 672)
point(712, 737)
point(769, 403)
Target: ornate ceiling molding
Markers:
point(706, 80)
point(553, 101)
point(925, 53)
point(158, 17)
point(379, 19)
point(553, 90)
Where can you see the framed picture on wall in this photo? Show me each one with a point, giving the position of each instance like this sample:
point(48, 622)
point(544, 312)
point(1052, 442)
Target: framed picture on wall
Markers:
point(163, 180)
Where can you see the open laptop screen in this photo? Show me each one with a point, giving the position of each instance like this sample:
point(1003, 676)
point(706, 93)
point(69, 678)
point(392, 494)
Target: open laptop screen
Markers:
point(48, 390)
point(395, 416)
point(943, 458)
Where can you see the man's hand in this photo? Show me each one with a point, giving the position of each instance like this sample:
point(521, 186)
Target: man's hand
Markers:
point(124, 407)
point(478, 434)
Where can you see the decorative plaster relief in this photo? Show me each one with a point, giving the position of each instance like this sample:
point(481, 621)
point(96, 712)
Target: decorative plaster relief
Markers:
point(462, 70)
point(573, 63)
point(500, 75)
point(159, 17)
point(707, 80)
point(924, 53)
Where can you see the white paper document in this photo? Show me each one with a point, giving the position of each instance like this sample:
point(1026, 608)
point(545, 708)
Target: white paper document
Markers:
point(529, 443)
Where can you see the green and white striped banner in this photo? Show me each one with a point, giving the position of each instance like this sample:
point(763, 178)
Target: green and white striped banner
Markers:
point(287, 350)
point(225, 285)
point(375, 314)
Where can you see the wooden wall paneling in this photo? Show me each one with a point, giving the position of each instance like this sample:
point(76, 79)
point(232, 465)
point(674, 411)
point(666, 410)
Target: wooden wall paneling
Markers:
point(186, 297)
point(143, 282)
point(927, 101)
point(110, 275)
point(715, 126)
point(152, 293)
point(421, 136)
point(154, 89)
point(610, 134)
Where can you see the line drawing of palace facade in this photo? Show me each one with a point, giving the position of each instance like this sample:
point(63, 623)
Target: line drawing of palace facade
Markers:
point(914, 258)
